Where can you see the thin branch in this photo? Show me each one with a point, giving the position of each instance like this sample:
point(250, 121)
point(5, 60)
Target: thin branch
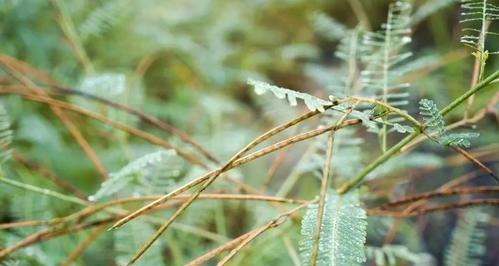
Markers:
point(322, 199)
point(445, 207)
point(83, 245)
point(145, 117)
point(64, 20)
point(238, 162)
point(325, 183)
point(48, 234)
point(209, 181)
point(130, 130)
point(10, 66)
point(215, 252)
point(440, 193)
point(397, 147)
point(92, 209)
point(272, 224)
point(477, 162)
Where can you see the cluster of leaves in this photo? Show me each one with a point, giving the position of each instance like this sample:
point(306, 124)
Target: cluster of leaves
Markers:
point(435, 124)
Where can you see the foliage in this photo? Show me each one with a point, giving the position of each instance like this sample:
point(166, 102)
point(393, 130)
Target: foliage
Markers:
point(343, 232)
point(152, 173)
point(383, 55)
point(435, 123)
point(390, 254)
point(467, 244)
point(484, 12)
point(313, 103)
point(108, 105)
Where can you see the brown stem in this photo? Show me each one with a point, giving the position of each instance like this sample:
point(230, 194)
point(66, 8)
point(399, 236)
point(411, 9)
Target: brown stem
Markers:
point(145, 117)
point(83, 245)
point(47, 234)
point(272, 224)
point(10, 66)
point(446, 207)
point(432, 194)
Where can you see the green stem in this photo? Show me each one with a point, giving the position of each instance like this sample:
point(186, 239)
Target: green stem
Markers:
point(43, 191)
point(326, 179)
point(395, 149)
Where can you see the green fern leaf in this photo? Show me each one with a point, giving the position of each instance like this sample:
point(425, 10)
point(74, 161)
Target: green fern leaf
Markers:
point(152, 173)
point(484, 12)
point(313, 103)
point(433, 120)
point(101, 19)
point(383, 53)
point(343, 233)
point(434, 123)
point(459, 139)
point(468, 238)
point(392, 255)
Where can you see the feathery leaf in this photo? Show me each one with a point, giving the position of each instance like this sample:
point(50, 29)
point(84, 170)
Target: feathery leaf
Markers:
point(101, 19)
point(383, 53)
point(434, 123)
point(152, 173)
point(468, 238)
point(484, 12)
point(313, 103)
point(390, 254)
point(343, 232)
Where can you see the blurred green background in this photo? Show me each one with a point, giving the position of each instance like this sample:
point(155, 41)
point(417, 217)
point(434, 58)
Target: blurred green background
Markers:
point(187, 62)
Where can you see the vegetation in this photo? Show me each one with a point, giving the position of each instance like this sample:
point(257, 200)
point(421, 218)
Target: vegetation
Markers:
point(217, 132)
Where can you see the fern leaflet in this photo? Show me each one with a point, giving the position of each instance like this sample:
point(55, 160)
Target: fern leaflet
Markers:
point(435, 124)
point(391, 254)
point(343, 233)
point(313, 103)
point(468, 238)
point(101, 19)
point(152, 173)
point(484, 12)
point(383, 53)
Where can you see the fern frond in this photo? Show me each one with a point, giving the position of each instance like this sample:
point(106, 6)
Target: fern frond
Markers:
point(468, 238)
point(391, 254)
point(101, 19)
point(152, 173)
point(383, 54)
point(349, 51)
point(313, 103)
point(343, 233)
point(434, 123)
point(484, 12)
point(433, 120)
point(5, 135)
point(459, 139)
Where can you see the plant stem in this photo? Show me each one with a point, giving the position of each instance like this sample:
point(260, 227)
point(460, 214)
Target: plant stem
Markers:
point(395, 149)
point(322, 199)
point(43, 191)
